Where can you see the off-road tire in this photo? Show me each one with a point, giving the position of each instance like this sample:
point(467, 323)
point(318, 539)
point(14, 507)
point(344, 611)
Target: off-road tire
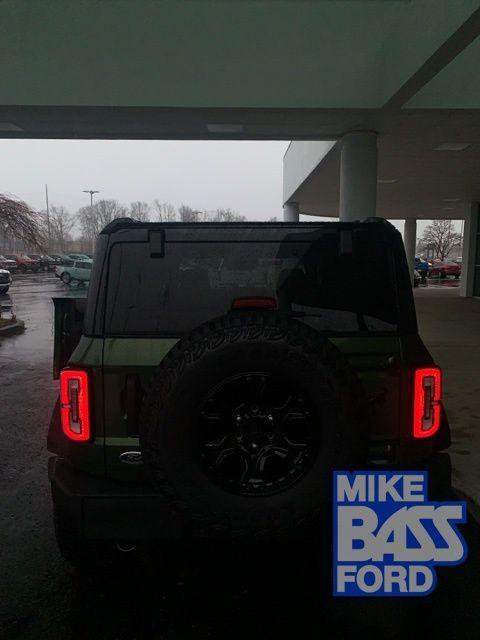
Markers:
point(216, 350)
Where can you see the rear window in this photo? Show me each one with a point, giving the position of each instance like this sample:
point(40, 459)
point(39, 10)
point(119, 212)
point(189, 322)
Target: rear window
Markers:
point(339, 282)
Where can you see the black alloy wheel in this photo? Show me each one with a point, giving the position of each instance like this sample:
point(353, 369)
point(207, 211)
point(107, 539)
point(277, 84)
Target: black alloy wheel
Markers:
point(256, 437)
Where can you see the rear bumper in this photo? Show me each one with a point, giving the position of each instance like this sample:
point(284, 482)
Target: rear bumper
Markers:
point(439, 469)
point(104, 509)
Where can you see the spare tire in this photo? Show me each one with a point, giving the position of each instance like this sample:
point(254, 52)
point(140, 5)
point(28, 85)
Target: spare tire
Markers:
point(244, 422)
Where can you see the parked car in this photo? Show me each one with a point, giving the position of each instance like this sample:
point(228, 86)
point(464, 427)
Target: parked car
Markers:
point(62, 261)
point(79, 270)
point(218, 374)
point(24, 263)
point(8, 264)
point(46, 262)
point(417, 278)
point(57, 257)
point(5, 280)
point(78, 256)
point(445, 268)
point(422, 267)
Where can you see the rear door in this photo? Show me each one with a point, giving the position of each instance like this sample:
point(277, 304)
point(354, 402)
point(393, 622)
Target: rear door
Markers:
point(159, 289)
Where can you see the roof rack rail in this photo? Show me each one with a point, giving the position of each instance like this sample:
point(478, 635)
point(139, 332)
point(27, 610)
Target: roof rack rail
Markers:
point(116, 224)
point(377, 220)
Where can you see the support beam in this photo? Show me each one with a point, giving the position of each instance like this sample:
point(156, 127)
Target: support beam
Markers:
point(291, 212)
point(358, 176)
point(410, 242)
point(471, 237)
point(439, 59)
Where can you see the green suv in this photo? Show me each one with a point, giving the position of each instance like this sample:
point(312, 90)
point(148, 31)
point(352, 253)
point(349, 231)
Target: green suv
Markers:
point(79, 270)
point(216, 374)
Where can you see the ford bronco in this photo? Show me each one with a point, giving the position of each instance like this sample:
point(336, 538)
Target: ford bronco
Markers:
point(216, 374)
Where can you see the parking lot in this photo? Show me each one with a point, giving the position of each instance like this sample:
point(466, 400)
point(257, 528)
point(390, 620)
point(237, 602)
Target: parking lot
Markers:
point(201, 592)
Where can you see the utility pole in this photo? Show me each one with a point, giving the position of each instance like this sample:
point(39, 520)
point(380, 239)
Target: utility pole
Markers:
point(48, 218)
point(91, 192)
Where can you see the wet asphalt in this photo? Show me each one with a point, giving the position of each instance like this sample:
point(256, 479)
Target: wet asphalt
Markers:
point(202, 592)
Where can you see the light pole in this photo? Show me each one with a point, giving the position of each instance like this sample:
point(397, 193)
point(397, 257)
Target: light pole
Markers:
point(91, 192)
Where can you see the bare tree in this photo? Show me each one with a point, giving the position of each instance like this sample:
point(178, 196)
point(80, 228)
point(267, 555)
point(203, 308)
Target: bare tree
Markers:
point(166, 212)
point(93, 219)
point(187, 214)
point(108, 210)
point(88, 223)
point(441, 238)
point(61, 225)
point(18, 220)
point(227, 215)
point(140, 211)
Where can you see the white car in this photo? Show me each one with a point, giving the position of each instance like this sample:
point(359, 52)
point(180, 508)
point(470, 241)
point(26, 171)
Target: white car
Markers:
point(79, 270)
point(5, 280)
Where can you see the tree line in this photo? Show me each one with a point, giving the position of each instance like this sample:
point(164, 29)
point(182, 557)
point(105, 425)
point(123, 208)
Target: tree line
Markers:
point(89, 221)
point(23, 228)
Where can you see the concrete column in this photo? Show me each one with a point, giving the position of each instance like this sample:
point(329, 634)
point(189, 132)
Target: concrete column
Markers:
point(291, 212)
point(410, 242)
point(358, 176)
point(469, 249)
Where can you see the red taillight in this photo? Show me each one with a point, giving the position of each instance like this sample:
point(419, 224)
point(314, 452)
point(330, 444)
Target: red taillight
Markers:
point(254, 302)
point(75, 404)
point(426, 402)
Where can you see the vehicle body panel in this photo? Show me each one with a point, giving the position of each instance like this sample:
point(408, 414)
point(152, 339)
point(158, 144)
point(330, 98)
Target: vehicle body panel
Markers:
point(8, 264)
point(446, 268)
point(24, 263)
point(79, 270)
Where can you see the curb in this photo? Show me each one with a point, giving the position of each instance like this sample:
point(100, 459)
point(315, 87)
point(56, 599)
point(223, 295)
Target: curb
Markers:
point(11, 329)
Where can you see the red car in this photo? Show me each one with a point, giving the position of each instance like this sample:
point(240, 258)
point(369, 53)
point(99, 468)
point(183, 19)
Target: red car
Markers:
point(24, 263)
point(445, 268)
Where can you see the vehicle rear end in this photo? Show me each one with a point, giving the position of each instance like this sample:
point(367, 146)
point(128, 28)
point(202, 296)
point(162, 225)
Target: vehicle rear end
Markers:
point(153, 285)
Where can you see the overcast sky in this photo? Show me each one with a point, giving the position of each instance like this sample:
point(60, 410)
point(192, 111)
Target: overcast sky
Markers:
point(243, 176)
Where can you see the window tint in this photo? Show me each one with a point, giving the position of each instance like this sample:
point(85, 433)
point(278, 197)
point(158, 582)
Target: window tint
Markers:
point(340, 282)
point(83, 265)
